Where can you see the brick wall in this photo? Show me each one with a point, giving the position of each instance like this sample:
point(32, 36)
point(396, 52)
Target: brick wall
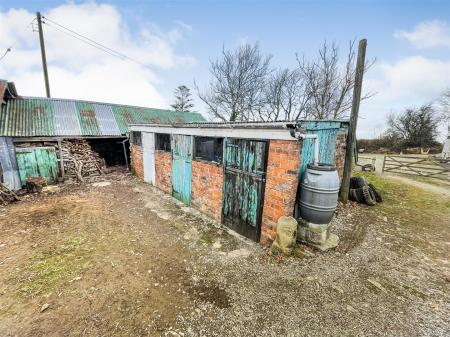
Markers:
point(283, 165)
point(137, 160)
point(207, 182)
point(163, 168)
point(339, 154)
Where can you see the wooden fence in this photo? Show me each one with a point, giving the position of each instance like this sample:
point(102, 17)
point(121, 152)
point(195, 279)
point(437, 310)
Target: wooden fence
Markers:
point(419, 166)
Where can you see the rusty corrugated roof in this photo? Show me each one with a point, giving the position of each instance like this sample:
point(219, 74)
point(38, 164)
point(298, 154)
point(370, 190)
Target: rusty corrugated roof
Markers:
point(32, 117)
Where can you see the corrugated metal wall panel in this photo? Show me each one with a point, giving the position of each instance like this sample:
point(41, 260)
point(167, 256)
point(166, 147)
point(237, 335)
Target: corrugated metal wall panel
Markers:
point(106, 121)
point(8, 164)
point(66, 118)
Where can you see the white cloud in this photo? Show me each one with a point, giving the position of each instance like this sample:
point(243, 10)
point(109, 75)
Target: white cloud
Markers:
point(411, 81)
point(77, 70)
point(427, 34)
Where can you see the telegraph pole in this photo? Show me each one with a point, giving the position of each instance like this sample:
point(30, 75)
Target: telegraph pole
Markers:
point(44, 58)
point(351, 137)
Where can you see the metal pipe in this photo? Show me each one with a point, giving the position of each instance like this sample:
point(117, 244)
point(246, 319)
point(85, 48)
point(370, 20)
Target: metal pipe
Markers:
point(125, 153)
point(300, 134)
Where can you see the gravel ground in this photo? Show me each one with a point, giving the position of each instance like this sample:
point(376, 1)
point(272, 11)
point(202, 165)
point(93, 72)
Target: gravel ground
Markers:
point(157, 268)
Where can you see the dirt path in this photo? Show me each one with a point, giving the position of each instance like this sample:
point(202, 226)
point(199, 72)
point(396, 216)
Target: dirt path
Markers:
point(128, 260)
point(443, 188)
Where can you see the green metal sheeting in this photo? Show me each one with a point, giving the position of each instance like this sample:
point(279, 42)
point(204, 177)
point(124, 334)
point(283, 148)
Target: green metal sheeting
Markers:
point(37, 162)
point(32, 117)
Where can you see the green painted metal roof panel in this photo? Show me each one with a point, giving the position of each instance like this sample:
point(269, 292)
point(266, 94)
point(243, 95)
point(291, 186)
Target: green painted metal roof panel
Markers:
point(31, 117)
point(126, 115)
point(27, 118)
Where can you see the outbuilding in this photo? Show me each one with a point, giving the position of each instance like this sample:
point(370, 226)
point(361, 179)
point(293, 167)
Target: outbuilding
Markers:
point(243, 174)
point(32, 130)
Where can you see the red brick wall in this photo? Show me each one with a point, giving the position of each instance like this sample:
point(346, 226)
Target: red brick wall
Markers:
point(163, 168)
point(207, 181)
point(137, 161)
point(339, 154)
point(283, 165)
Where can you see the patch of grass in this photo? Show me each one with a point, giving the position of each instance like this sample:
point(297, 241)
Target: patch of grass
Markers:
point(46, 270)
point(420, 213)
point(413, 198)
point(298, 253)
point(207, 237)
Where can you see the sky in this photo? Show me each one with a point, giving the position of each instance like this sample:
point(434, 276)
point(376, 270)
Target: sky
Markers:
point(173, 43)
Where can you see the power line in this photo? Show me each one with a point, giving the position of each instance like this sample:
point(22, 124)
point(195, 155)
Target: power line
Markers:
point(80, 39)
point(10, 48)
point(88, 40)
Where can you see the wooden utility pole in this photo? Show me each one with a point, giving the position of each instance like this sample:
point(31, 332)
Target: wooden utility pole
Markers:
point(44, 58)
point(351, 137)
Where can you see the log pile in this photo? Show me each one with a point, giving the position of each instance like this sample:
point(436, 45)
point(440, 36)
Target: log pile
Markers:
point(35, 184)
point(80, 160)
point(6, 195)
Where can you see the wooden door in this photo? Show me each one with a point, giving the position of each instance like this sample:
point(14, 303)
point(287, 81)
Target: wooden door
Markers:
point(182, 167)
point(37, 162)
point(245, 163)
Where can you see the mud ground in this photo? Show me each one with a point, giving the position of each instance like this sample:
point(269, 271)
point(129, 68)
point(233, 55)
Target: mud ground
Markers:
point(127, 260)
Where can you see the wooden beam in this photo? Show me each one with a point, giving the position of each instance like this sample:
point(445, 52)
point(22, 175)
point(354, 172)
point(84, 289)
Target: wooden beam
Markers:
point(244, 133)
point(61, 159)
point(351, 137)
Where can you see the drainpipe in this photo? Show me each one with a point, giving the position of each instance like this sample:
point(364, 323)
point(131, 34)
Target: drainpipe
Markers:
point(301, 134)
point(125, 153)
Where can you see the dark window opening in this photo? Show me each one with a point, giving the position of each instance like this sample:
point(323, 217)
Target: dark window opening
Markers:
point(136, 138)
point(163, 142)
point(208, 148)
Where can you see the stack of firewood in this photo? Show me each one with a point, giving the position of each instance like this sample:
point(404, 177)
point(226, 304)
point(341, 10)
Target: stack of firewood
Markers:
point(6, 195)
point(80, 160)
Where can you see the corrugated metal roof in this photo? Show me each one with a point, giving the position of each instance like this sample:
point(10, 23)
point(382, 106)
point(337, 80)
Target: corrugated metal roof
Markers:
point(31, 117)
point(310, 124)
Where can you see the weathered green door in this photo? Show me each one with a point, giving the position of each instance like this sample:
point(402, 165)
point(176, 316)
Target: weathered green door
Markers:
point(37, 162)
point(182, 167)
point(245, 163)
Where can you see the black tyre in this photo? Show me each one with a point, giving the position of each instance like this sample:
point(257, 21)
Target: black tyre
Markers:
point(357, 182)
point(377, 194)
point(369, 196)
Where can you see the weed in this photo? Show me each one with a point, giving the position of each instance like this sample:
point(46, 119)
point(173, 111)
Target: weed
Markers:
point(48, 269)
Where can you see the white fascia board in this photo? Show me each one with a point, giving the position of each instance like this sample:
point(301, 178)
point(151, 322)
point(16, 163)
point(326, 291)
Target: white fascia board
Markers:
point(247, 133)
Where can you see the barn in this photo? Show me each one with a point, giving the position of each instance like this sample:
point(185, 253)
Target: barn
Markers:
point(245, 175)
point(33, 129)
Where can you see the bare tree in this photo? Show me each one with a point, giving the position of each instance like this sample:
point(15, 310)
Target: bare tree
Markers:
point(183, 99)
point(236, 90)
point(285, 96)
point(329, 85)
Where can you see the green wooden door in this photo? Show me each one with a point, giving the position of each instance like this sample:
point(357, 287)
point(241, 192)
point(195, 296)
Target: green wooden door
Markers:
point(245, 163)
point(182, 167)
point(37, 162)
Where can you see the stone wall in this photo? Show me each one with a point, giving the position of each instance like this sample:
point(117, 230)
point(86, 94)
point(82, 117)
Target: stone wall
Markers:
point(207, 182)
point(137, 158)
point(163, 168)
point(281, 185)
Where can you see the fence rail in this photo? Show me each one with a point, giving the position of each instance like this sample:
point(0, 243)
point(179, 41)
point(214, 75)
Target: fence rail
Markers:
point(419, 166)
